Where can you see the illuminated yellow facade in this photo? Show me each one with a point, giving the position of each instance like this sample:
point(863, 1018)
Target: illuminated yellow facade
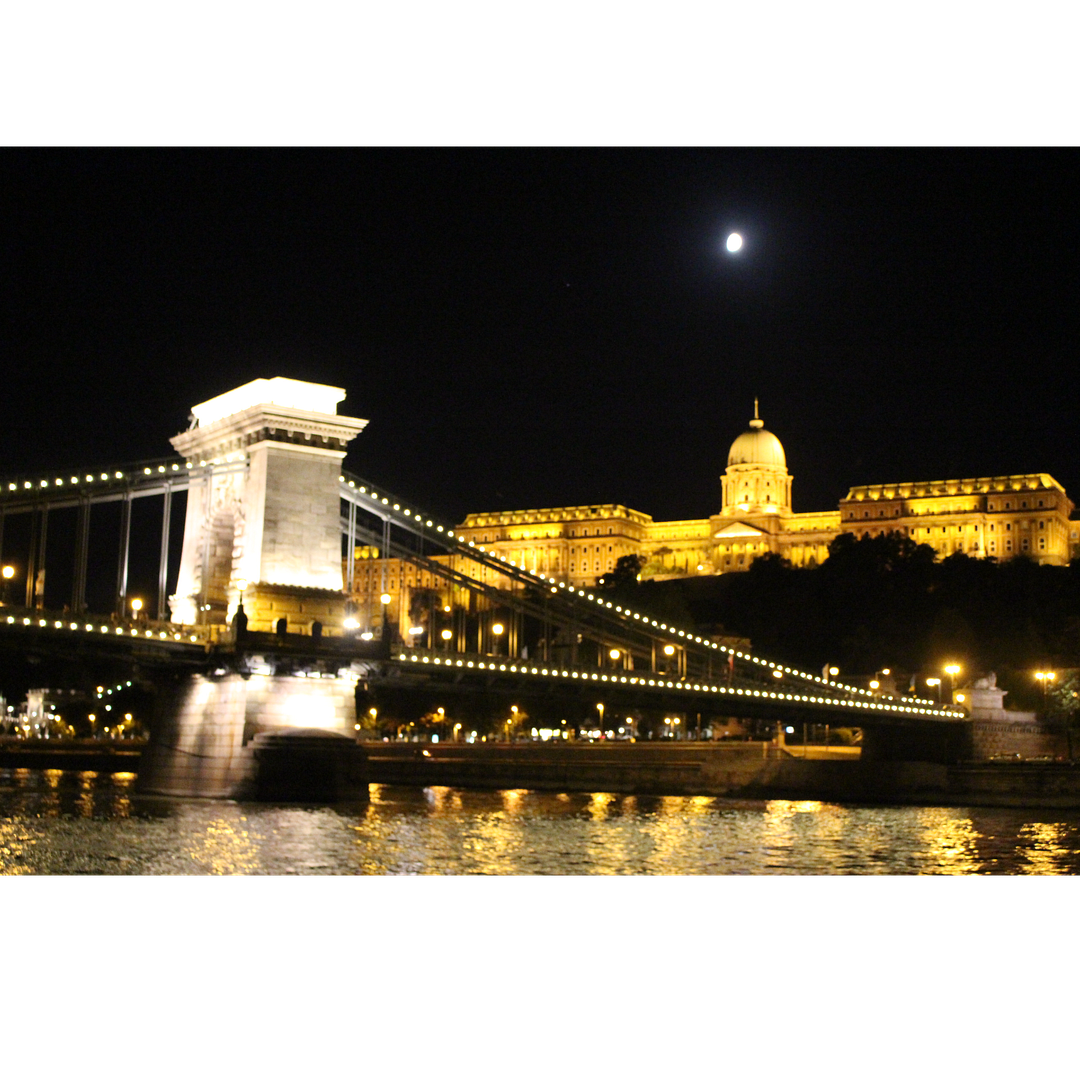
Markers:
point(999, 517)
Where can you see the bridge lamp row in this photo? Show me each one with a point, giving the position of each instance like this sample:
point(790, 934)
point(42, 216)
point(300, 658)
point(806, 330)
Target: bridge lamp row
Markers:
point(515, 669)
point(59, 481)
point(90, 628)
point(777, 670)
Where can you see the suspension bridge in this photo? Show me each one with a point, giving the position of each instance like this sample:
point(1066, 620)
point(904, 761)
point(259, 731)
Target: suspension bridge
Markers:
point(252, 621)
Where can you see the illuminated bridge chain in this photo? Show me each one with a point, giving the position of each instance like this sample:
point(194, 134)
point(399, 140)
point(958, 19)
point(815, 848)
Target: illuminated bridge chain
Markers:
point(583, 633)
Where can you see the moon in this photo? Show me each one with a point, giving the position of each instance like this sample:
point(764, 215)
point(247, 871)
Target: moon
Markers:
point(733, 242)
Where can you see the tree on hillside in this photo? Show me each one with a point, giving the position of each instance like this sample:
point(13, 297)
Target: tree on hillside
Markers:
point(626, 571)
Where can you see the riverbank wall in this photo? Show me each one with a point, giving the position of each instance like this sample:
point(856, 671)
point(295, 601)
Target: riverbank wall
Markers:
point(731, 770)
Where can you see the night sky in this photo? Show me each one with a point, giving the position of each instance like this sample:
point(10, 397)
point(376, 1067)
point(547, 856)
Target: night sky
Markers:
point(549, 328)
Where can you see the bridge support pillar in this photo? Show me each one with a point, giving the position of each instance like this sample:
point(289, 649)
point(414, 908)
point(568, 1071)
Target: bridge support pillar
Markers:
point(264, 503)
point(277, 737)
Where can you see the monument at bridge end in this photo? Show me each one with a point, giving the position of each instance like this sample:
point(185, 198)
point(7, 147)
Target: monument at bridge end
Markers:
point(262, 529)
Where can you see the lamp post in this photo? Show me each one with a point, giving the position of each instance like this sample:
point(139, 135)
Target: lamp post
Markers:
point(937, 683)
point(497, 629)
point(952, 670)
point(1045, 678)
point(136, 608)
point(600, 710)
point(8, 573)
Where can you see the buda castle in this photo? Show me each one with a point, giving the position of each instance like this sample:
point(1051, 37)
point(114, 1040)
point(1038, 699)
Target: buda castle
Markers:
point(998, 516)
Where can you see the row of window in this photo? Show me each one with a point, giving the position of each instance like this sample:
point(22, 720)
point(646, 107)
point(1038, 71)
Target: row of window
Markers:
point(491, 538)
point(912, 512)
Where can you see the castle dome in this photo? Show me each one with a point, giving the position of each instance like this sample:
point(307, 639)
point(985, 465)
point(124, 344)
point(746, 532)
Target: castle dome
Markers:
point(757, 446)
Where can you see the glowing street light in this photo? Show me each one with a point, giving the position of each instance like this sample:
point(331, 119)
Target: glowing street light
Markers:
point(937, 683)
point(1045, 678)
point(952, 670)
point(136, 606)
point(8, 573)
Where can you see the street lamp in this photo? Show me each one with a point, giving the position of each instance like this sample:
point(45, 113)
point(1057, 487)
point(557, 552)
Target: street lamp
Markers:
point(952, 670)
point(1045, 679)
point(136, 607)
point(937, 683)
point(600, 710)
point(8, 573)
point(497, 629)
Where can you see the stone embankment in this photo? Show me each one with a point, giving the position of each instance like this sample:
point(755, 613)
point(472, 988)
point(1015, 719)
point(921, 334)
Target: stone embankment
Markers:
point(734, 770)
point(81, 755)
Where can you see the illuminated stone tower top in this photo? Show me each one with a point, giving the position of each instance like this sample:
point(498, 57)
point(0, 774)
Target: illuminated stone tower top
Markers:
point(756, 479)
point(264, 505)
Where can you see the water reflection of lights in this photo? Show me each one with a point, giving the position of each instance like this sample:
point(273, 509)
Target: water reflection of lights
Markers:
point(949, 843)
point(1043, 848)
point(226, 848)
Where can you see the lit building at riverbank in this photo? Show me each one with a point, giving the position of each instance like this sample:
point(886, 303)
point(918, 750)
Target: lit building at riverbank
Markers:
point(998, 517)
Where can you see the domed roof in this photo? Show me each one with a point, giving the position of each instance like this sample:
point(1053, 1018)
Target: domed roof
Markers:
point(757, 446)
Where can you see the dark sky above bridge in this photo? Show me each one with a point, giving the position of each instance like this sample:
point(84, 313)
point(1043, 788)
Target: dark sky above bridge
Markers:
point(531, 328)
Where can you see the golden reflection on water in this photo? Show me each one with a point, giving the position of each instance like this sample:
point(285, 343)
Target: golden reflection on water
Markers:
point(1042, 850)
point(443, 830)
point(512, 799)
point(13, 848)
point(442, 799)
point(226, 848)
point(948, 843)
point(124, 782)
point(84, 803)
point(599, 801)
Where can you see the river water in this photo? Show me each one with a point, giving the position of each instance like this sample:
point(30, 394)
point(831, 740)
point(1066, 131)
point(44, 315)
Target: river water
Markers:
point(55, 822)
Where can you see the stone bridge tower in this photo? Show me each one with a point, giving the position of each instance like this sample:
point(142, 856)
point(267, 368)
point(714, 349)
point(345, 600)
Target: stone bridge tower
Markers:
point(263, 517)
point(263, 511)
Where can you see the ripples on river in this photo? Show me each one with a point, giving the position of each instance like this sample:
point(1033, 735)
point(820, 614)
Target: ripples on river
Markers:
point(57, 822)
